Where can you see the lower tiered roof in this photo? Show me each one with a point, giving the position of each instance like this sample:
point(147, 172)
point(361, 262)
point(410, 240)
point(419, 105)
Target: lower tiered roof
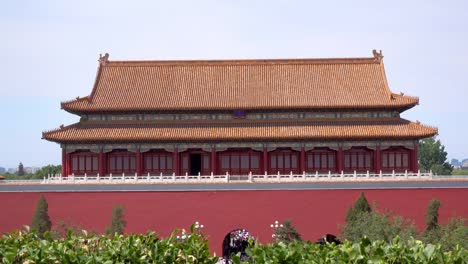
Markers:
point(239, 130)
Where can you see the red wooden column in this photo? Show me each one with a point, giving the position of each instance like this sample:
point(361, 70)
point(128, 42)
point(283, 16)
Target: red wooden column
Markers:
point(213, 161)
point(265, 159)
point(139, 162)
point(340, 159)
point(68, 167)
point(175, 161)
point(303, 158)
point(377, 159)
point(414, 158)
point(101, 163)
point(64, 162)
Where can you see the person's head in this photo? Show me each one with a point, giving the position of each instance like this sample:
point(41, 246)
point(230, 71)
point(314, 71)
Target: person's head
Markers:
point(235, 242)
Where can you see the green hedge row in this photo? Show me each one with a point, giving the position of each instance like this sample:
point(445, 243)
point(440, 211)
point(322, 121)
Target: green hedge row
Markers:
point(365, 251)
point(27, 247)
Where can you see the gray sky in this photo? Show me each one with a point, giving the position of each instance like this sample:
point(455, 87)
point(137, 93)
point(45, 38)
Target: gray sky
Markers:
point(49, 52)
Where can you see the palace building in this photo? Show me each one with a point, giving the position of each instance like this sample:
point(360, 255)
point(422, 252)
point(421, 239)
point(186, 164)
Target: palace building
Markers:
point(239, 117)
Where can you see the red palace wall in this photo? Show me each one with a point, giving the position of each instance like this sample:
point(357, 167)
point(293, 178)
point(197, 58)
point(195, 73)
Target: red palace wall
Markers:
point(313, 212)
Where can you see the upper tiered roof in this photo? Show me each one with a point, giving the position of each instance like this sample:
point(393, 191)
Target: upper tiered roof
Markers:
point(347, 83)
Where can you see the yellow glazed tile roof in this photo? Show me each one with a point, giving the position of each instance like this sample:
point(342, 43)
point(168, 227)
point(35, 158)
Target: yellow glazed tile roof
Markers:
point(146, 132)
point(240, 84)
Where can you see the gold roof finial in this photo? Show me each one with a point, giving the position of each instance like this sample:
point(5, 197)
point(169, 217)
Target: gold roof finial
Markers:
point(378, 55)
point(103, 59)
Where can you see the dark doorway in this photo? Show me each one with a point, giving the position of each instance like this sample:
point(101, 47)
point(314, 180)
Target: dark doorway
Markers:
point(195, 164)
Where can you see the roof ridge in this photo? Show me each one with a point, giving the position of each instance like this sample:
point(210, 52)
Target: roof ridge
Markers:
point(287, 61)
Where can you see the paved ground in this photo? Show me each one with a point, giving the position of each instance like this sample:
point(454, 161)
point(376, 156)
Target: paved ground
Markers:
point(233, 186)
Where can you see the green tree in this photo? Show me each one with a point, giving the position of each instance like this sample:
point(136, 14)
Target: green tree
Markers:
point(20, 169)
point(362, 220)
point(47, 170)
point(432, 156)
point(454, 233)
point(118, 222)
point(41, 220)
point(361, 205)
point(286, 232)
point(432, 231)
point(376, 226)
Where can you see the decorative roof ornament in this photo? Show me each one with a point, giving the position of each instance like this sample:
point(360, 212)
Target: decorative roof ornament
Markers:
point(378, 55)
point(103, 59)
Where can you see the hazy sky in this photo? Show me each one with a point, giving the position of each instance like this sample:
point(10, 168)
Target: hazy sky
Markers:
point(49, 52)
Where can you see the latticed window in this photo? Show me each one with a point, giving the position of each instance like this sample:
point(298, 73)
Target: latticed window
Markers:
point(397, 159)
point(240, 162)
point(122, 162)
point(358, 159)
point(156, 162)
point(284, 161)
point(321, 160)
point(84, 162)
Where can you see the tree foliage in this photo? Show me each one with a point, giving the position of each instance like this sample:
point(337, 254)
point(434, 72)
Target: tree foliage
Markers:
point(432, 156)
point(20, 169)
point(360, 206)
point(454, 233)
point(362, 221)
point(432, 232)
point(377, 226)
point(286, 232)
point(117, 222)
point(41, 220)
point(432, 215)
point(47, 170)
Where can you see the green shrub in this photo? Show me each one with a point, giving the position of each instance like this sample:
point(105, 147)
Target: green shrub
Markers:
point(27, 247)
point(363, 251)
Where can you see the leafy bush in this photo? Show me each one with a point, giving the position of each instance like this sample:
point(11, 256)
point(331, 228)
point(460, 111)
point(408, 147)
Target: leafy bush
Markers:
point(192, 247)
point(28, 247)
point(364, 251)
point(285, 232)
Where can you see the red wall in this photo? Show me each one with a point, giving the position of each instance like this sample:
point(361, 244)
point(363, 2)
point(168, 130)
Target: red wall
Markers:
point(314, 212)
